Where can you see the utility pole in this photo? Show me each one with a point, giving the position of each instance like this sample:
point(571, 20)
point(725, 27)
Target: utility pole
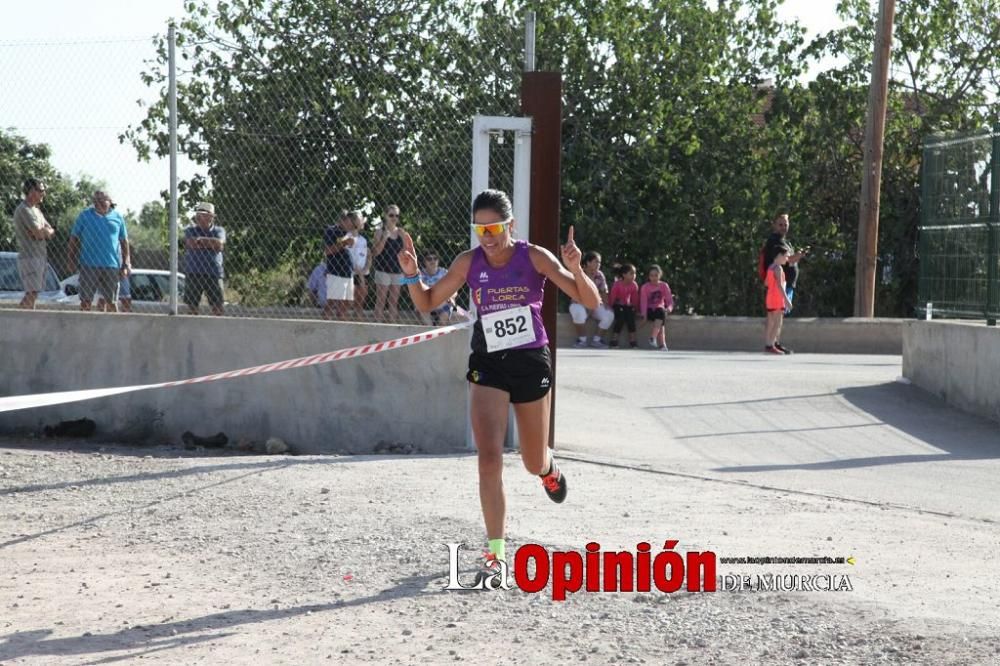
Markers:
point(871, 183)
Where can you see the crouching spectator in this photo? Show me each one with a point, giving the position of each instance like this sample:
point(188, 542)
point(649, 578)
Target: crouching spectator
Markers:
point(591, 264)
point(430, 275)
point(316, 285)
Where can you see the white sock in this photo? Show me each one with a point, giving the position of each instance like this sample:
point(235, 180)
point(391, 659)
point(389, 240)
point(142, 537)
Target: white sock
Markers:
point(597, 338)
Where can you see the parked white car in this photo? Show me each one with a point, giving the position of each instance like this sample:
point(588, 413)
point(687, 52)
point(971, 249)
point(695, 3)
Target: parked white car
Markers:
point(147, 285)
point(12, 290)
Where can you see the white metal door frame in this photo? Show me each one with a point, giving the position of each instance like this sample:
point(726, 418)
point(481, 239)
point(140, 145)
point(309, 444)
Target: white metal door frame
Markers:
point(483, 127)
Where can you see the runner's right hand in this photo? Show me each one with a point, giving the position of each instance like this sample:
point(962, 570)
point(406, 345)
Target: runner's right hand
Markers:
point(408, 256)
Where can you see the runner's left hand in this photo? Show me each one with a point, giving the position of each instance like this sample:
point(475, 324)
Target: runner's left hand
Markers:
point(408, 256)
point(571, 253)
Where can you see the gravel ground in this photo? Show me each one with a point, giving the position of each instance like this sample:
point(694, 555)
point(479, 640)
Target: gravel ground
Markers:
point(120, 554)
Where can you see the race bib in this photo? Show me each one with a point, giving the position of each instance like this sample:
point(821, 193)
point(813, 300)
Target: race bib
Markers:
point(508, 328)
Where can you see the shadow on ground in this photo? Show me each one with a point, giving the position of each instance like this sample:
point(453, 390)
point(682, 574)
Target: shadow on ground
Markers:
point(139, 641)
point(914, 412)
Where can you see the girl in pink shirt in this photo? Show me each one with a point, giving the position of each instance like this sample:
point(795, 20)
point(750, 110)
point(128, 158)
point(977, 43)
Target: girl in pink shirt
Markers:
point(624, 300)
point(655, 301)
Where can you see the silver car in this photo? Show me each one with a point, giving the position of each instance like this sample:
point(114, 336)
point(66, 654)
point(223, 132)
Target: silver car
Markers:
point(12, 290)
point(146, 285)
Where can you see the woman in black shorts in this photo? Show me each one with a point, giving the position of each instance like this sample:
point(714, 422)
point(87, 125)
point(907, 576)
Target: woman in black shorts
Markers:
point(510, 363)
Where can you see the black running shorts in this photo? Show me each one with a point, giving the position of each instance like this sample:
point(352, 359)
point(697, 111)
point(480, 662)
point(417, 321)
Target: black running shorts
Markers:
point(526, 374)
point(657, 314)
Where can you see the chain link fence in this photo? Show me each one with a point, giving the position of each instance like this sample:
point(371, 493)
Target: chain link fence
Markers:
point(65, 132)
point(281, 142)
point(960, 226)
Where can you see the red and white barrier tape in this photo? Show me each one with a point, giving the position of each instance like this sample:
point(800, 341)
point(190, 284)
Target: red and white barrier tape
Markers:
point(15, 402)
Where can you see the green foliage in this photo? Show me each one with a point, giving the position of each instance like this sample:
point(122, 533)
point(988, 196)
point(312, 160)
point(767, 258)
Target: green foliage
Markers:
point(282, 285)
point(150, 229)
point(945, 58)
point(660, 160)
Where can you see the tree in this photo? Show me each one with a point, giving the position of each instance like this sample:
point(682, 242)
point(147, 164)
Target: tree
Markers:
point(660, 158)
point(945, 59)
point(149, 229)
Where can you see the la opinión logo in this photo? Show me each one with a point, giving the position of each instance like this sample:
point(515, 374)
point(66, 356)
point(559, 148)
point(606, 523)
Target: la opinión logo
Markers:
point(594, 570)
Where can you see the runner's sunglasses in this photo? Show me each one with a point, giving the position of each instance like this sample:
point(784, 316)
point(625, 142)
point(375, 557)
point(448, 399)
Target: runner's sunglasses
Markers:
point(494, 229)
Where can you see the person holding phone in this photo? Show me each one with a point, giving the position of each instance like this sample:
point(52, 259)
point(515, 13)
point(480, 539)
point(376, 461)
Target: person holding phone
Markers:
point(510, 362)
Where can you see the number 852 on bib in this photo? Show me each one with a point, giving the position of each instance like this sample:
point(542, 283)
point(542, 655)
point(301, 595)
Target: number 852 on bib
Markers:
point(508, 328)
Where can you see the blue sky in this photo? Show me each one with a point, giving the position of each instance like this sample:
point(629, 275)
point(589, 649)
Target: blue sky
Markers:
point(71, 73)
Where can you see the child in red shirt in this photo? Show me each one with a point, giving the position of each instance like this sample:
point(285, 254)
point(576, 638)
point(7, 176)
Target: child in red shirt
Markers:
point(655, 301)
point(624, 299)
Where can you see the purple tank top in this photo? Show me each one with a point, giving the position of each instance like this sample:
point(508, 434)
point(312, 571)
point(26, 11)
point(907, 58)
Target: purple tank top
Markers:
point(510, 286)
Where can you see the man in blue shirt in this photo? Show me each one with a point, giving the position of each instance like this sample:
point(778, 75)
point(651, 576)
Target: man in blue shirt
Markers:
point(100, 241)
point(204, 242)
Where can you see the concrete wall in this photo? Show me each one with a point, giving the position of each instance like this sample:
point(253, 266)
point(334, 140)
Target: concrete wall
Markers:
point(415, 395)
point(828, 336)
point(956, 361)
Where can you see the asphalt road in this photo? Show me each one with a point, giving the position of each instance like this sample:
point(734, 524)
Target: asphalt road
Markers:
point(843, 426)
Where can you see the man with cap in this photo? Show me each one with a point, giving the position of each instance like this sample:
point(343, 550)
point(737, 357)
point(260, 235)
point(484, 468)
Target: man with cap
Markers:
point(100, 241)
point(204, 242)
point(33, 232)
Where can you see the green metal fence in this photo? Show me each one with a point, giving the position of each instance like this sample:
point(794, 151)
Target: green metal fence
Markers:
point(960, 226)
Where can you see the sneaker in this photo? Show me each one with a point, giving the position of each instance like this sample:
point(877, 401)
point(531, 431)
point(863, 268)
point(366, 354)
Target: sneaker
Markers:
point(773, 350)
point(555, 484)
point(633, 345)
point(782, 348)
point(664, 348)
point(613, 344)
point(598, 344)
point(491, 566)
point(580, 344)
point(652, 343)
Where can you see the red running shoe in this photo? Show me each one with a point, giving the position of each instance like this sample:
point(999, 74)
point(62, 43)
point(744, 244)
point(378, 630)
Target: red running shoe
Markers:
point(555, 484)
